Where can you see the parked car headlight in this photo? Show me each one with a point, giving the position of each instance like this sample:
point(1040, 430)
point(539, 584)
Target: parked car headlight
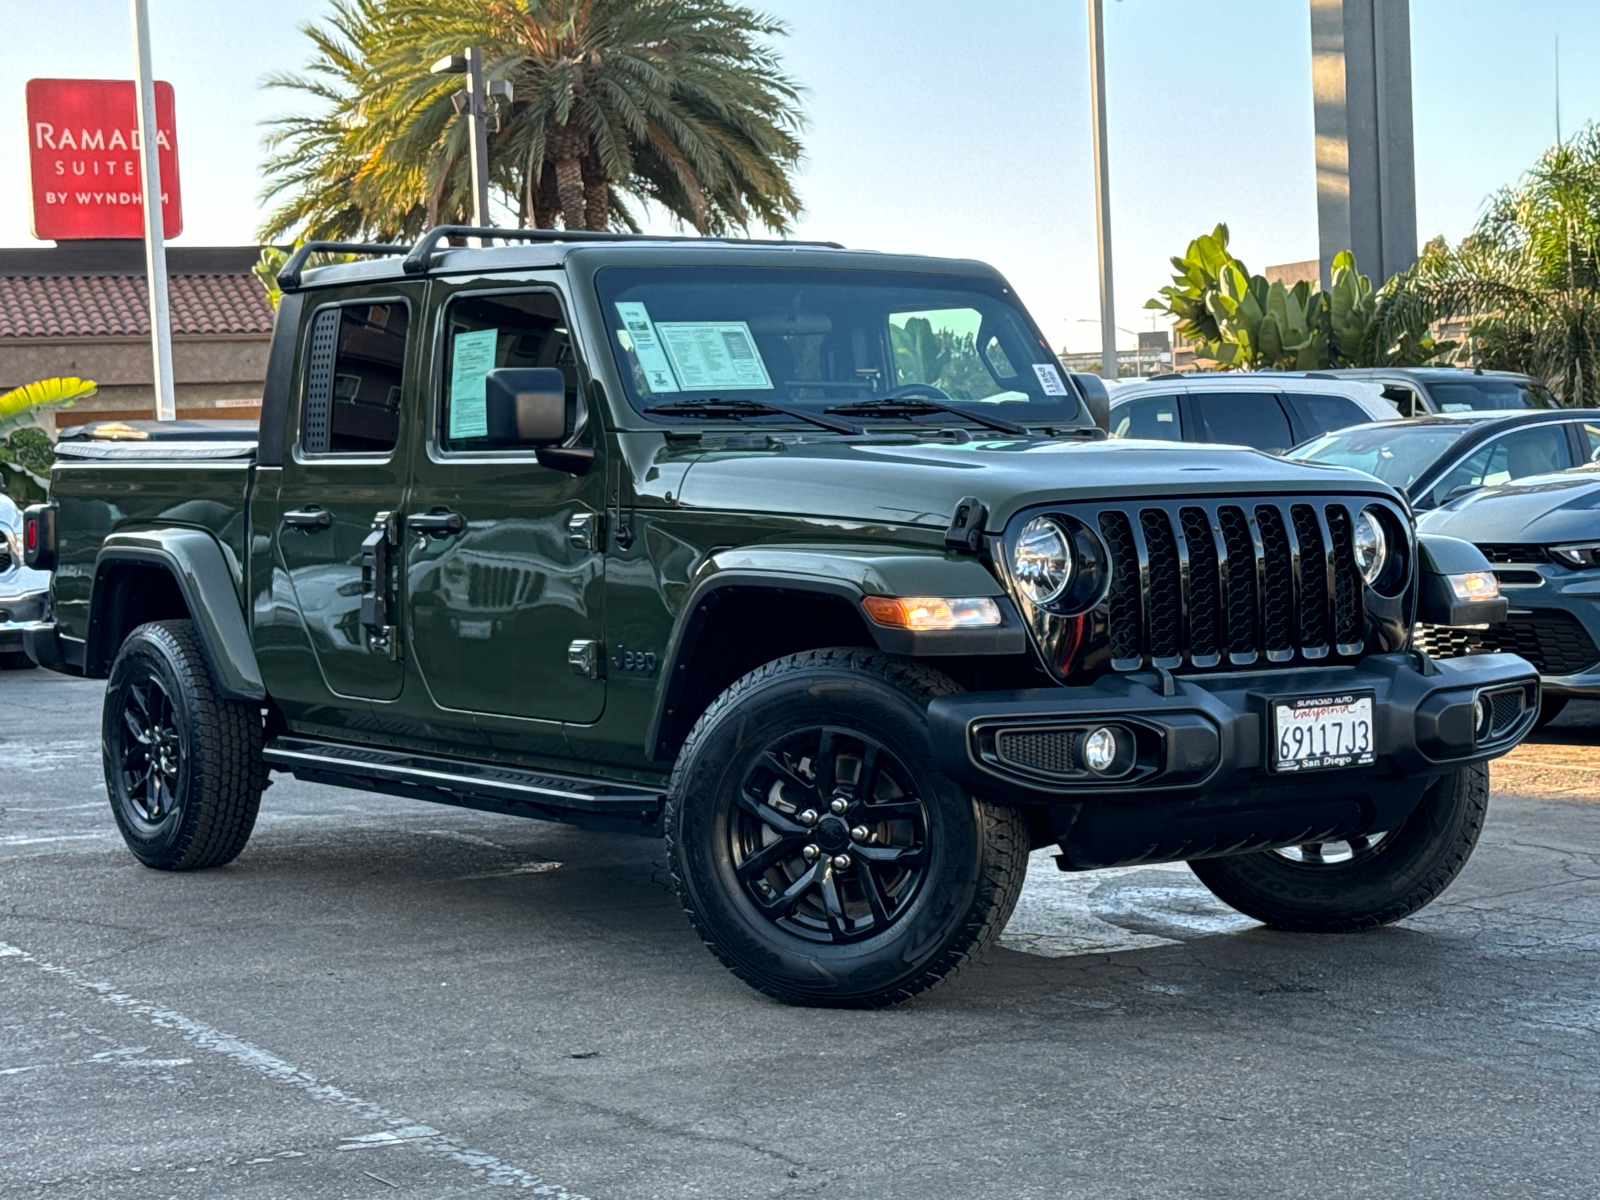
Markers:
point(1041, 562)
point(1371, 544)
point(1582, 556)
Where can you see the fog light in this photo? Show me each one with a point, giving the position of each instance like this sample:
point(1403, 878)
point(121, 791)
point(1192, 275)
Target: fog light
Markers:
point(1100, 750)
point(1484, 714)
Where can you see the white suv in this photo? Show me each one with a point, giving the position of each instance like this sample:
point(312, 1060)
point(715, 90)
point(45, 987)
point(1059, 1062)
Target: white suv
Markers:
point(1266, 410)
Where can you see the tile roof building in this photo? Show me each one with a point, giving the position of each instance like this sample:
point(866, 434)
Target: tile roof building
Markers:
point(82, 309)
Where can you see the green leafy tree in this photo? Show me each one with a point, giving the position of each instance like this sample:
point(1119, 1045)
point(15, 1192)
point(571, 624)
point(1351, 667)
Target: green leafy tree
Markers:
point(26, 451)
point(679, 102)
point(1243, 322)
point(1528, 276)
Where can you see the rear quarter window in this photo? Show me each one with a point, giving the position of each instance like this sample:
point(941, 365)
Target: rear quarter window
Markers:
point(1322, 414)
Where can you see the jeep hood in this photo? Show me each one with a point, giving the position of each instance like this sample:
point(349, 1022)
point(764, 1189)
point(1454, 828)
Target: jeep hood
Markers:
point(1540, 510)
point(920, 483)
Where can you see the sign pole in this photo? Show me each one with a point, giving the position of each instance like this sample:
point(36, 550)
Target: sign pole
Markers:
point(477, 126)
point(154, 242)
point(1102, 188)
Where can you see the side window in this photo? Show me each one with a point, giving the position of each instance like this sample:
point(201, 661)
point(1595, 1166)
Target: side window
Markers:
point(1405, 401)
point(1243, 419)
point(1514, 456)
point(1323, 414)
point(355, 369)
point(1591, 440)
point(1153, 418)
point(523, 329)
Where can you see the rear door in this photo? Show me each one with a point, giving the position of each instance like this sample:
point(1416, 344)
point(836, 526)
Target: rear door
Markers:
point(1241, 419)
point(343, 475)
point(1322, 413)
point(505, 591)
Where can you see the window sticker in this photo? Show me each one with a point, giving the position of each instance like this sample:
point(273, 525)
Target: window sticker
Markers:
point(658, 376)
point(1050, 379)
point(715, 354)
point(471, 360)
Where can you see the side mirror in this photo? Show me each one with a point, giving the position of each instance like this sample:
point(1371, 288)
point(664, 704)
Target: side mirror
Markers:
point(1595, 457)
point(1461, 490)
point(526, 406)
point(1096, 398)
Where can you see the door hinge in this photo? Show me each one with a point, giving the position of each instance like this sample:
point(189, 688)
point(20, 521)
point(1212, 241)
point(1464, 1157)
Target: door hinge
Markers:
point(583, 530)
point(583, 656)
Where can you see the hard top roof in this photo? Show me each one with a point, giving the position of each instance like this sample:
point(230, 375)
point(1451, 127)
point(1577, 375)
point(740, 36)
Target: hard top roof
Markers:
point(530, 249)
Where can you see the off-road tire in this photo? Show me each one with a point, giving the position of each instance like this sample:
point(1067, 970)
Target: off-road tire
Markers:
point(221, 771)
point(978, 851)
point(1403, 872)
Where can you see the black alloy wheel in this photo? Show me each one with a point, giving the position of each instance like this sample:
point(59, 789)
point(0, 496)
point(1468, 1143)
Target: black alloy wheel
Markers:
point(183, 765)
point(829, 838)
point(149, 750)
point(815, 848)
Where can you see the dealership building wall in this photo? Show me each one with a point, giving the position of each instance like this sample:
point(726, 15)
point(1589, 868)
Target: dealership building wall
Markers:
point(82, 309)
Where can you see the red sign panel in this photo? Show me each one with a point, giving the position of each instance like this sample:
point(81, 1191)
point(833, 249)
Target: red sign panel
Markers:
point(84, 149)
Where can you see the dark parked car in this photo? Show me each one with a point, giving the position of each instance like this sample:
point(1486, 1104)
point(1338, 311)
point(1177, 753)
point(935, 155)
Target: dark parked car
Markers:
point(810, 561)
point(1433, 459)
point(1543, 536)
point(1418, 391)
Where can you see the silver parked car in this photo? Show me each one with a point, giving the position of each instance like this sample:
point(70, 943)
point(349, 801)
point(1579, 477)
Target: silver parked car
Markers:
point(1265, 410)
point(24, 593)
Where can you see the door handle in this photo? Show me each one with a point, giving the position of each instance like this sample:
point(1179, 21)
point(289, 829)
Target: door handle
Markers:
point(436, 524)
point(312, 518)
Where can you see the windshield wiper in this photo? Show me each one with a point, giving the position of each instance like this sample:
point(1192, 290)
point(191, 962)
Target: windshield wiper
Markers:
point(917, 408)
point(718, 407)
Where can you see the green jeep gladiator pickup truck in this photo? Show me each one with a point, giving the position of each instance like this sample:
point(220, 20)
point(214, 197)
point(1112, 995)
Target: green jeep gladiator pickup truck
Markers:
point(811, 561)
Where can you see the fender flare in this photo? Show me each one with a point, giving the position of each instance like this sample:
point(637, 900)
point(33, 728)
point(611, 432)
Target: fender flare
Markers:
point(198, 566)
point(842, 573)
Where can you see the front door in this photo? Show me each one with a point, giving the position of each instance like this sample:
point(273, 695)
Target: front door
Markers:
point(504, 569)
point(342, 481)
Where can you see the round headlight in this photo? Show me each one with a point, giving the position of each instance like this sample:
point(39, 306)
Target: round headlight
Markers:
point(1042, 560)
point(1372, 547)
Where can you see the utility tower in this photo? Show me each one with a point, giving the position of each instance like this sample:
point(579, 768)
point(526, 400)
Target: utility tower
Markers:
point(1366, 171)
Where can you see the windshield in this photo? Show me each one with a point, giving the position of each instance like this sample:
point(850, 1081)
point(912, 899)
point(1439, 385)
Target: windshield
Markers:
point(1480, 392)
point(819, 339)
point(1395, 455)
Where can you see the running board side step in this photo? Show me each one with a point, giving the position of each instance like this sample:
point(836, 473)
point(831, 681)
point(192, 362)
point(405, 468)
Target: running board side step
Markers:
point(491, 787)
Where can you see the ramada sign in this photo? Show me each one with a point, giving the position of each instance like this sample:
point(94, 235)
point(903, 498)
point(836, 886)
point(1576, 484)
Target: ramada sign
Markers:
point(84, 150)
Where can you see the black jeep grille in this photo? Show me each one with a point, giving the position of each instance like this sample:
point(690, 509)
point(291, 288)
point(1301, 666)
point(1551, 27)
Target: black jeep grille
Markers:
point(1208, 583)
point(1555, 642)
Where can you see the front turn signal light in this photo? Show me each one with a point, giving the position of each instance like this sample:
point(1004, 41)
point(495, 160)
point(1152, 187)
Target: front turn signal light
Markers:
point(1475, 585)
point(931, 612)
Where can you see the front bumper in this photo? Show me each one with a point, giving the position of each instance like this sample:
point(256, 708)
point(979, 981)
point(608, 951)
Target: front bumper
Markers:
point(17, 614)
point(1201, 785)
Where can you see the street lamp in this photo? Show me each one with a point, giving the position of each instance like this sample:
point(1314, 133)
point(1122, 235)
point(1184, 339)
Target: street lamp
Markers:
point(473, 101)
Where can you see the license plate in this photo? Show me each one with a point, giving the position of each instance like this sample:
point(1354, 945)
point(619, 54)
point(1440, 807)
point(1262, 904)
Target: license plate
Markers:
point(1313, 733)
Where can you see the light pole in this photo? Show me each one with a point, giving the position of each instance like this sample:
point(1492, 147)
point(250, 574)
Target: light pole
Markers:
point(1102, 188)
point(144, 85)
point(473, 100)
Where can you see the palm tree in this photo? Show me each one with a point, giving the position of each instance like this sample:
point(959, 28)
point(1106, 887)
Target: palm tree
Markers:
point(680, 102)
point(1528, 275)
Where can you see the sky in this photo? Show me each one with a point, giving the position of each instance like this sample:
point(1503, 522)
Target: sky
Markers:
point(951, 128)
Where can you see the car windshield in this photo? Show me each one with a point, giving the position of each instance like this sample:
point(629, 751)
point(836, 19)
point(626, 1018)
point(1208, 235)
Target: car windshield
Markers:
point(1396, 455)
point(820, 339)
point(1479, 392)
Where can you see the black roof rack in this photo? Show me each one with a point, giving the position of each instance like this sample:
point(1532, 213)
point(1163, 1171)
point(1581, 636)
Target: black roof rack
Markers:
point(289, 277)
point(419, 257)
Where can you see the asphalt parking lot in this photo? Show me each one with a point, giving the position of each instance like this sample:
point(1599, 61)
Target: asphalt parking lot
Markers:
point(390, 999)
